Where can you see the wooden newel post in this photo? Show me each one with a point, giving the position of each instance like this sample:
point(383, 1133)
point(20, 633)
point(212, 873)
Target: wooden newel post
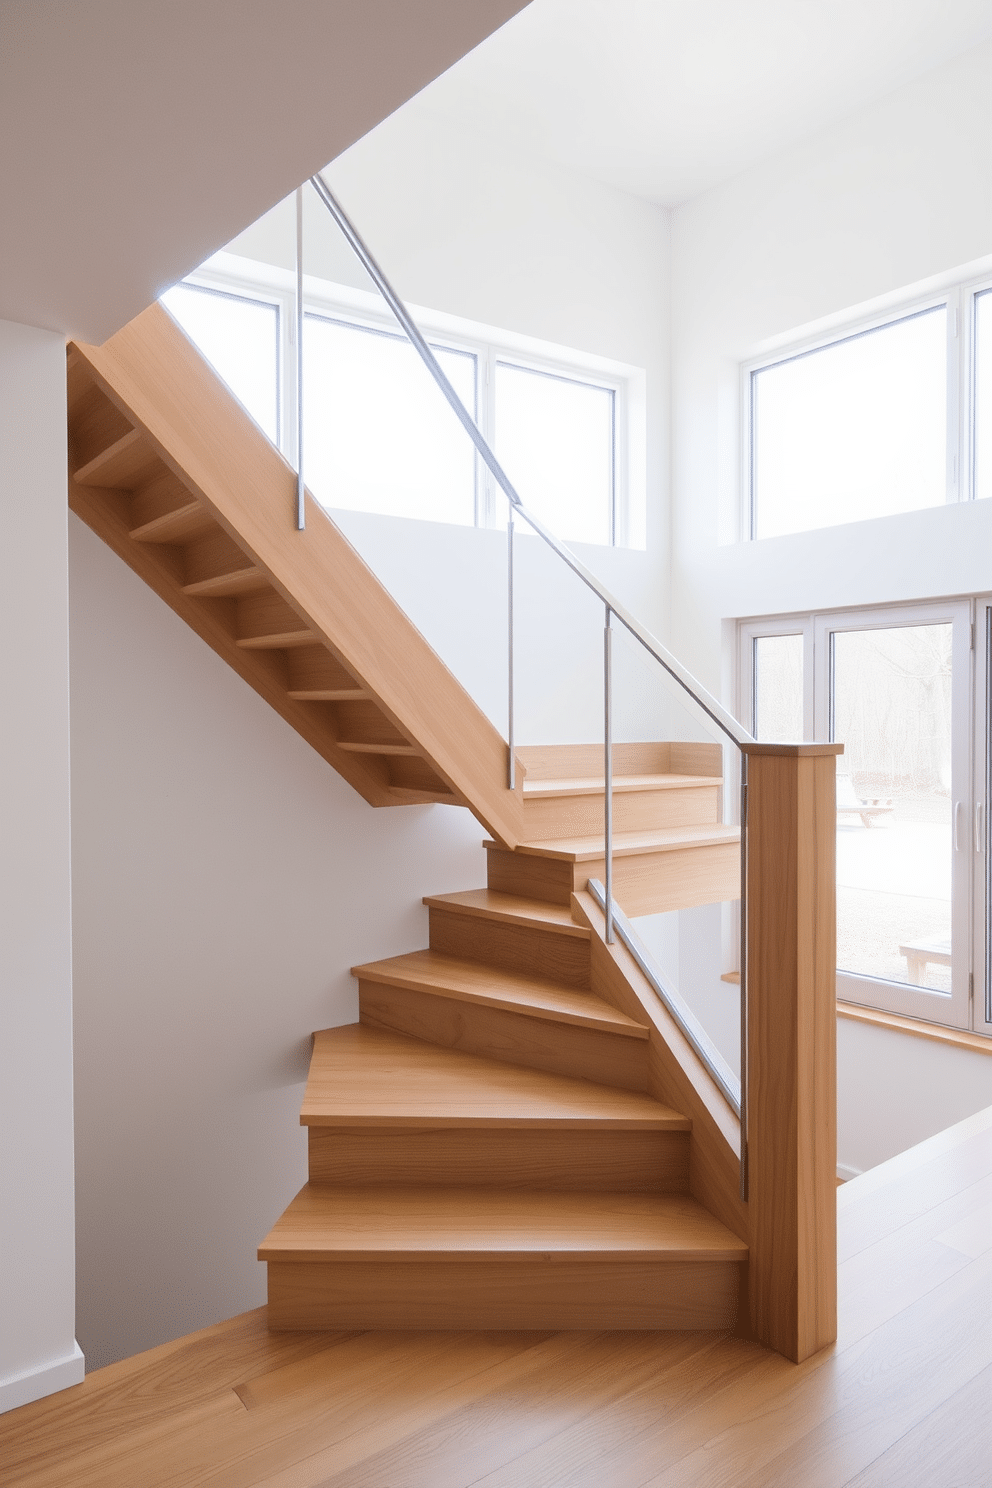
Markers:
point(792, 1044)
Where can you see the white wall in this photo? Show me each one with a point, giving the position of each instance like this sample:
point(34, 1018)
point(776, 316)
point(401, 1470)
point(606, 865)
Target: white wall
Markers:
point(225, 880)
point(38, 1352)
point(895, 198)
point(892, 199)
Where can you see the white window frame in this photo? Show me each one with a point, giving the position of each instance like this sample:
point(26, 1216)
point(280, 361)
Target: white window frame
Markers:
point(968, 1005)
point(981, 909)
point(235, 275)
point(961, 366)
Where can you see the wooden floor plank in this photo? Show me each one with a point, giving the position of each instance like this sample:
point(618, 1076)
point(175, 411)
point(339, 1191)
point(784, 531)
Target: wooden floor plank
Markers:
point(853, 1404)
point(322, 1422)
point(136, 1392)
point(623, 1442)
point(951, 1447)
point(507, 1430)
point(881, 1280)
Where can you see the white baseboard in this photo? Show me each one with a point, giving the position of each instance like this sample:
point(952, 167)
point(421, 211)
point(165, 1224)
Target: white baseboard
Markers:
point(45, 1379)
point(844, 1173)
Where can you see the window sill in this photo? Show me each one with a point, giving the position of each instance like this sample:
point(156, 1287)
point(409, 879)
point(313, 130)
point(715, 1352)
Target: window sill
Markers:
point(979, 1043)
point(960, 1037)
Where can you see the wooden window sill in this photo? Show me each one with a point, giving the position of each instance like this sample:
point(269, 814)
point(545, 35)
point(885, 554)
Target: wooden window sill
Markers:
point(960, 1037)
point(916, 1026)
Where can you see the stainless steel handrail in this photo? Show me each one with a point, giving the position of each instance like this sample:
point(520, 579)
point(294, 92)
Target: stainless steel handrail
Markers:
point(702, 1044)
point(719, 715)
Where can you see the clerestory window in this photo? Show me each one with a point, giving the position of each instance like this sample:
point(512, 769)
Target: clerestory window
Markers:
point(378, 435)
point(883, 418)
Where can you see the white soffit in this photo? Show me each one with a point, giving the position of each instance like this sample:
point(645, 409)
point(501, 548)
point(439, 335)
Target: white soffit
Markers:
point(666, 98)
point(138, 136)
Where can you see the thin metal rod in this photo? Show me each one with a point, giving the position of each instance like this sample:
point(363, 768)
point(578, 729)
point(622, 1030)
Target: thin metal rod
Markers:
point(301, 499)
point(745, 1176)
point(719, 715)
point(511, 737)
point(608, 770)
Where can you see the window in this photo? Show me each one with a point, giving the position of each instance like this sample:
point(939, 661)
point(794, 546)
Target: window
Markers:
point(555, 437)
point(240, 336)
point(982, 395)
point(899, 687)
point(378, 434)
point(891, 416)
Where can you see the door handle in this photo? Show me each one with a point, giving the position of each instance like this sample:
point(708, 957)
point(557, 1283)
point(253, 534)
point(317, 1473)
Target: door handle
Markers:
point(979, 824)
point(958, 808)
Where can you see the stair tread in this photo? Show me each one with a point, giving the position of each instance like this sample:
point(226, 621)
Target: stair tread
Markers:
point(591, 785)
point(326, 1223)
point(629, 844)
point(510, 908)
point(363, 1076)
point(179, 525)
point(474, 981)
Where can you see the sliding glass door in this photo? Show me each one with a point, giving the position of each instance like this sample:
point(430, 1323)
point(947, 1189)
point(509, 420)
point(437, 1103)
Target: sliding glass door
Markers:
point(907, 691)
point(894, 689)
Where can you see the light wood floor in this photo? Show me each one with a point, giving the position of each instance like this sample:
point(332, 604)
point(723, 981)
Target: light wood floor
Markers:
point(904, 1398)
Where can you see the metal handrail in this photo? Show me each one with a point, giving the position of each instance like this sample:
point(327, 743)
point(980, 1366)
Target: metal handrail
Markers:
point(715, 710)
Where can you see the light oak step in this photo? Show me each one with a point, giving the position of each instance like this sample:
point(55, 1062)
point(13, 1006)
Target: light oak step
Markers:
point(512, 934)
point(488, 1258)
point(507, 909)
point(668, 868)
point(368, 1077)
point(126, 463)
point(477, 983)
point(573, 807)
point(507, 1015)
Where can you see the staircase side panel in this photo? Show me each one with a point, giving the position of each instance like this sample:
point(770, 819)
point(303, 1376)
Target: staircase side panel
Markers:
point(153, 373)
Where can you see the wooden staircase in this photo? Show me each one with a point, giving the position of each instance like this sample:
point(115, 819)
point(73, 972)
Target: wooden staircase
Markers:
point(486, 1149)
point(517, 1134)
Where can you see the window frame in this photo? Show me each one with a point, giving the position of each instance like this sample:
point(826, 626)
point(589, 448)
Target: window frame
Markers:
point(970, 1002)
point(959, 300)
point(228, 273)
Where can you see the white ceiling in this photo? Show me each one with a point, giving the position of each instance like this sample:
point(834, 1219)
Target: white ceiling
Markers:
point(138, 136)
point(665, 98)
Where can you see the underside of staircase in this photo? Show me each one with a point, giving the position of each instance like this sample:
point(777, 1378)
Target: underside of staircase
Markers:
point(516, 1134)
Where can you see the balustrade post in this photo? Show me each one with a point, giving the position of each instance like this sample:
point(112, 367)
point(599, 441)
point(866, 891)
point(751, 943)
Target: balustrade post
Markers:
point(792, 1044)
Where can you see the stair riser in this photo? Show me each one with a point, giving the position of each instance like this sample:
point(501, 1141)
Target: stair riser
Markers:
point(534, 951)
point(645, 883)
point(514, 1038)
point(550, 819)
point(515, 1158)
point(524, 1293)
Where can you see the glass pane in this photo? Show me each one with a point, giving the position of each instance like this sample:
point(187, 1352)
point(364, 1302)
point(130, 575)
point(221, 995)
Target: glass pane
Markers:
point(892, 713)
point(240, 339)
point(378, 433)
point(983, 394)
point(554, 438)
point(857, 429)
point(778, 689)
